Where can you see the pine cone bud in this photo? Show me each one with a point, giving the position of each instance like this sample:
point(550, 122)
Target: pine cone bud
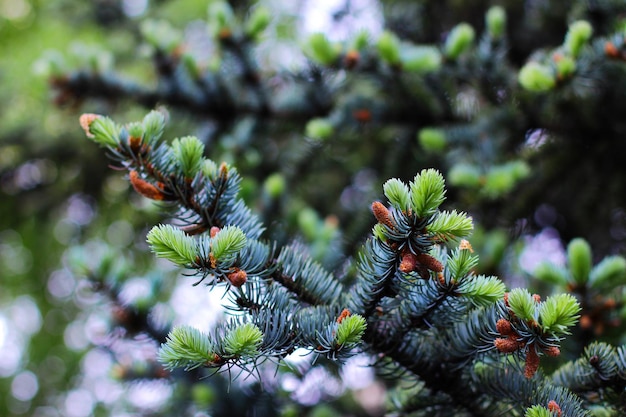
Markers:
point(144, 188)
point(238, 277)
point(382, 214)
point(344, 314)
point(532, 362)
point(553, 407)
point(85, 121)
point(507, 345)
point(503, 326)
point(552, 351)
point(430, 262)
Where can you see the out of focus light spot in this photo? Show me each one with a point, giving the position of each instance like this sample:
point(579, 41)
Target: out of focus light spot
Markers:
point(74, 336)
point(11, 346)
point(135, 289)
point(25, 315)
point(545, 246)
point(80, 209)
point(150, 394)
point(14, 9)
point(24, 386)
point(200, 309)
point(339, 23)
point(120, 233)
point(61, 284)
point(3, 331)
point(134, 8)
point(357, 372)
point(79, 403)
point(535, 138)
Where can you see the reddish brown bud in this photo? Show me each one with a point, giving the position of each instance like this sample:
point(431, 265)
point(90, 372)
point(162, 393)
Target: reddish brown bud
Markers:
point(532, 362)
point(408, 263)
point(503, 326)
point(506, 299)
point(430, 262)
point(382, 214)
point(465, 245)
point(552, 351)
point(585, 321)
point(238, 277)
point(352, 58)
point(86, 120)
point(135, 143)
point(362, 115)
point(507, 345)
point(553, 407)
point(144, 188)
point(537, 298)
point(214, 231)
point(344, 314)
point(611, 50)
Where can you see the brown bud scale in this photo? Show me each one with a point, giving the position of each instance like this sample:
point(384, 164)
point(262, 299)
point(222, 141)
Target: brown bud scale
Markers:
point(344, 314)
point(144, 188)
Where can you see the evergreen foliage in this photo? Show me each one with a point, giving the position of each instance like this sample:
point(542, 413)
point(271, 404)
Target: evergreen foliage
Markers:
point(516, 104)
point(407, 294)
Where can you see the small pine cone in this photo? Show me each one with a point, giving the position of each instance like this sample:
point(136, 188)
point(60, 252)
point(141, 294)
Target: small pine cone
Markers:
point(611, 50)
point(507, 345)
point(144, 188)
point(238, 277)
point(552, 351)
point(351, 59)
point(344, 314)
point(430, 262)
point(503, 326)
point(554, 408)
point(532, 362)
point(86, 120)
point(408, 263)
point(382, 214)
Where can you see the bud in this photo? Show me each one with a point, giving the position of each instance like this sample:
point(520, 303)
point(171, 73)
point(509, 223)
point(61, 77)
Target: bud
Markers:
point(244, 340)
point(257, 22)
point(464, 175)
point(275, 185)
point(532, 362)
point(420, 59)
point(459, 40)
point(220, 19)
point(389, 48)
point(565, 67)
point(322, 50)
point(382, 214)
point(432, 139)
point(238, 277)
point(85, 121)
point(319, 128)
point(350, 330)
point(102, 129)
point(579, 259)
point(495, 20)
point(578, 34)
point(536, 77)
